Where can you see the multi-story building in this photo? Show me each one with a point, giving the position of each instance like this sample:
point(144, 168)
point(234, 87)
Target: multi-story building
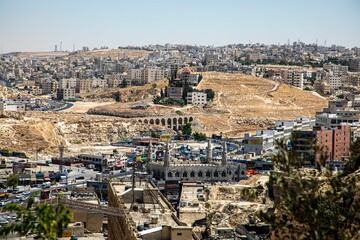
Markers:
point(332, 144)
point(339, 69)
point(83, 85)
point(49, 86)
point(186, 75)
point(339, 112)
point(66, 93)
point(264, 140)
point(335, 82)
point(67, 83)
point(354, 65)
point(11, 105)
point(92, 221)
point(147, 214)
point(293, 77)
point(196, 98)
point(175, 92)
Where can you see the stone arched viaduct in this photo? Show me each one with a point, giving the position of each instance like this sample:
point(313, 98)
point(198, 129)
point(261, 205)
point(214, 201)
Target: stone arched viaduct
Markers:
point(173, 122)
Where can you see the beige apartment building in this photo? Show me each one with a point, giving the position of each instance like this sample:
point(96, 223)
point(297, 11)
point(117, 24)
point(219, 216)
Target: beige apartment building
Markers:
point(293, 77)
point(83, 85)
point(147, 75)
point(49, 86)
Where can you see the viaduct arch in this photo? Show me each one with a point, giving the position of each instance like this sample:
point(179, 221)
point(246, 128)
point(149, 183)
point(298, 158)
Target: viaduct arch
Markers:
point(173, 122)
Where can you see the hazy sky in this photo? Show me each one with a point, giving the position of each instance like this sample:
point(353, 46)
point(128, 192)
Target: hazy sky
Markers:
point(37, 25)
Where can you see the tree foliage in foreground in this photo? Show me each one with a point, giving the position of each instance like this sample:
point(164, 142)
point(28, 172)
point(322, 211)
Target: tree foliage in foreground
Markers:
point(44, 220)
point(317, 205)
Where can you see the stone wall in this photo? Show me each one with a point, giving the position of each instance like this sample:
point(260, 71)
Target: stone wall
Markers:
point(198, 172)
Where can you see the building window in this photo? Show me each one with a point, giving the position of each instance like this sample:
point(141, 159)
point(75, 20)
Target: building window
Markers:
point(178, 234)
point(200, 174)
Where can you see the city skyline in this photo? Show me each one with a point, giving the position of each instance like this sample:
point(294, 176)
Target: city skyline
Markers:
point(39, 25)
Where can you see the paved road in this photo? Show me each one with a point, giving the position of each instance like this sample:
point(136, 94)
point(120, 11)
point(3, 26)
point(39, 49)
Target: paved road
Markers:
point(67, 106)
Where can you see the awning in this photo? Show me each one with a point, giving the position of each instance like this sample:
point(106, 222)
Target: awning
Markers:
point(33, 179)
point(47, 179)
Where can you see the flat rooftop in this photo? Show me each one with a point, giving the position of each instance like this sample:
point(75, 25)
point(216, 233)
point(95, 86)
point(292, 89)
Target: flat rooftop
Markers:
point(191, 197)
point(152, 210)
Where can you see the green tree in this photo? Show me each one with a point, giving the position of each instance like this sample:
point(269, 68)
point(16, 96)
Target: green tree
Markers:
point(46, 221)
point(210, 94)
point(186, 129)
point(353, 163)
point(313, 205)
point(117, 96)
point(199, 136)
point(124, 83)
point(12, 181)
point(200, 78)
point(162, 93)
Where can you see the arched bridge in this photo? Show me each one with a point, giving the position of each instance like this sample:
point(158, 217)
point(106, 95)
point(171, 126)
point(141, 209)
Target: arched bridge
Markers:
point(173, 122)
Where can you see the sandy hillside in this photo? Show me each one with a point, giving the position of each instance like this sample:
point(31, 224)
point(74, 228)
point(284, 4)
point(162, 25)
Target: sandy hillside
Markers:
point(245, 103)
point(47, 130)
point(114, 53)
point(242, 103)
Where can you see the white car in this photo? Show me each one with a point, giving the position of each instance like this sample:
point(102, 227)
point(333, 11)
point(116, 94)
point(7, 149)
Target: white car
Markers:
point(15, 200)
point(3, 221)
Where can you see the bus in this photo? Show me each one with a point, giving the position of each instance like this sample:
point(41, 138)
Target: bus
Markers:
point(4, 196)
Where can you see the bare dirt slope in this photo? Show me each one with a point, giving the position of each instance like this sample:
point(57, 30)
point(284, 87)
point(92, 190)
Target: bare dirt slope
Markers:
point(48, 130)
point(245, 103)
point(242, 103)
point(114, 53)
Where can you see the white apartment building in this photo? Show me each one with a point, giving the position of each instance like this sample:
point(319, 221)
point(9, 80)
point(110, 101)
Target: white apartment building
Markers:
point(10, 105)
point(196, 98)
point(341, 112)
point(264, 140)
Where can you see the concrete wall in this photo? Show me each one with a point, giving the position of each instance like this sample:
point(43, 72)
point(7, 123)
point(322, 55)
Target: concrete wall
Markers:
point(118, 227)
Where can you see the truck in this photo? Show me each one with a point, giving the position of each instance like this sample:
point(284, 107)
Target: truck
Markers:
point(19, 189)
point(63, 179)
point(46, 185)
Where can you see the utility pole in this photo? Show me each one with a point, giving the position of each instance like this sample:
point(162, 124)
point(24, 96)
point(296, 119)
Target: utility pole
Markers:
point(133, 181)
point(61, 149)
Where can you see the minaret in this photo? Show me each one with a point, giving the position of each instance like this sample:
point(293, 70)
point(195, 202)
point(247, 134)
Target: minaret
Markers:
point(149, 153)
point(167, 155)
point(209, 152)
point(224, 155)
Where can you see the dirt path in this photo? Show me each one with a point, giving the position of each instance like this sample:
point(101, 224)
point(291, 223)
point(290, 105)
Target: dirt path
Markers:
point(83, 107)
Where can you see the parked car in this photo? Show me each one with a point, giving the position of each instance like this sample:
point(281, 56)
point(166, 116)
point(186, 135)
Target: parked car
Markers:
point(79, 177)
point(3, 221)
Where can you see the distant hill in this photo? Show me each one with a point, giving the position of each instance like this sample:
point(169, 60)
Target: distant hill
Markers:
point(242, 103)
